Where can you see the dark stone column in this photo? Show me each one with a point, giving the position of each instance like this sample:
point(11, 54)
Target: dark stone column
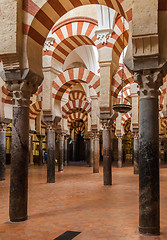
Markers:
point(149, 204)
point(40, 138)
point(2, 151)
point(91, 151)
point(30, 149)
point(73, 151)
point(159, 150)
point(61, 152)
point(136, 152)
point(96, 153)
point(107, 161)
point(51, 153)
point(19, 156)
point(119, 151)
point(65, 151)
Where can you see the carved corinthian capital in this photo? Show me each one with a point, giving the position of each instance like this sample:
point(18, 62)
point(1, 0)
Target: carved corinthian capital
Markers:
point(22, 92)
point(149, 83)
point(51, 126)
point(106, 124)
point(3, 127)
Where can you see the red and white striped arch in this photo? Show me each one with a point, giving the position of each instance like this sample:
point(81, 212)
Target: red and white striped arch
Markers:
point(161, 97)
point(7, 96)
point(35, 109)
point(79, 104)
point(75, 32)
point(125, 117)
point(72, 77)
point(40, 16)
point(77, 94)
point(81, 31)
point(117, 81)
point(126, 95)
point(77, 116)
point(78, 126)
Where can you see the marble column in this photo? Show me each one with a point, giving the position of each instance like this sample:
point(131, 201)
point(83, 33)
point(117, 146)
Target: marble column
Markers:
point(149, 202)
point(40, 138)
point(120, 151)
point(159, 150)
point(19, 155)
point(51, 153)
point(91, 151)
point(66, 151)
point(107, 161)
point(136, 152)
point(61, 152)
point(96, 153)
point(31, 149)
point(2, 151)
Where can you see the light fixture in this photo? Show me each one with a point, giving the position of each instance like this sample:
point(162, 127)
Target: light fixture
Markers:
point(122, 107)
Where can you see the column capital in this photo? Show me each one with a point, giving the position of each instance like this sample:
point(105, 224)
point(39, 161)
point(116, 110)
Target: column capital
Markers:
point(3, 126)
point(50, 126)
point(22, 92)
point(22, 83)
point(149, 83)
point(136, 135)
point(119, 136)
point(61, 134)
point(95, 135)
point(106, 124)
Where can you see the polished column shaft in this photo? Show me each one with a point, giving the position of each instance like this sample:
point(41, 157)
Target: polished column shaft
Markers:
point(19, 164)
point(91, 151)
point(65, 152)
point(107, 161)
point(2, 153)
point(149, 203)
point(119, 151)
point(51, 155)
point(96, 154)
point(136, 153)
point(61, 153)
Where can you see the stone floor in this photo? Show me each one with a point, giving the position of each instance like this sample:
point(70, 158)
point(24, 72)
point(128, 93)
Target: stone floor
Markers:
point(79, 202)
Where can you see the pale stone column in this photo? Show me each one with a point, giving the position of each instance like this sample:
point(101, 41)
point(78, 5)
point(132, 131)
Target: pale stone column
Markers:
point(65, 151)
point(19, 153)
point(40, 138)
point(119, 151)
point(91, 151)
point(2, 150)
point(107, 161)
point(96, 153)
point(61, 152)
point(136, 152)
point(50, 152)
point(149, 211)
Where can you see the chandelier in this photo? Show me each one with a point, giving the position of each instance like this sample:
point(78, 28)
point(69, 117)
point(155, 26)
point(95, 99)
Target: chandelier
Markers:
point(122, 107)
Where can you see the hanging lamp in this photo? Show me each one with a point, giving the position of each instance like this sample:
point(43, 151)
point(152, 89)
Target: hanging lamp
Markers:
point(122, 107)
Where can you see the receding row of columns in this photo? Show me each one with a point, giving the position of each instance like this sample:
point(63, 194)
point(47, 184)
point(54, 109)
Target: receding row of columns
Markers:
point(149, 210)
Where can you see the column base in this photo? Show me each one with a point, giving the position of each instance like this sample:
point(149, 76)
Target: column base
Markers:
point(107, 184)
point(136, 171)
point(119, 164)
point(60, 170)
point(51, 181)
point(149, 231)
point(2, 179)
point(95, 171)
point(19, 219)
